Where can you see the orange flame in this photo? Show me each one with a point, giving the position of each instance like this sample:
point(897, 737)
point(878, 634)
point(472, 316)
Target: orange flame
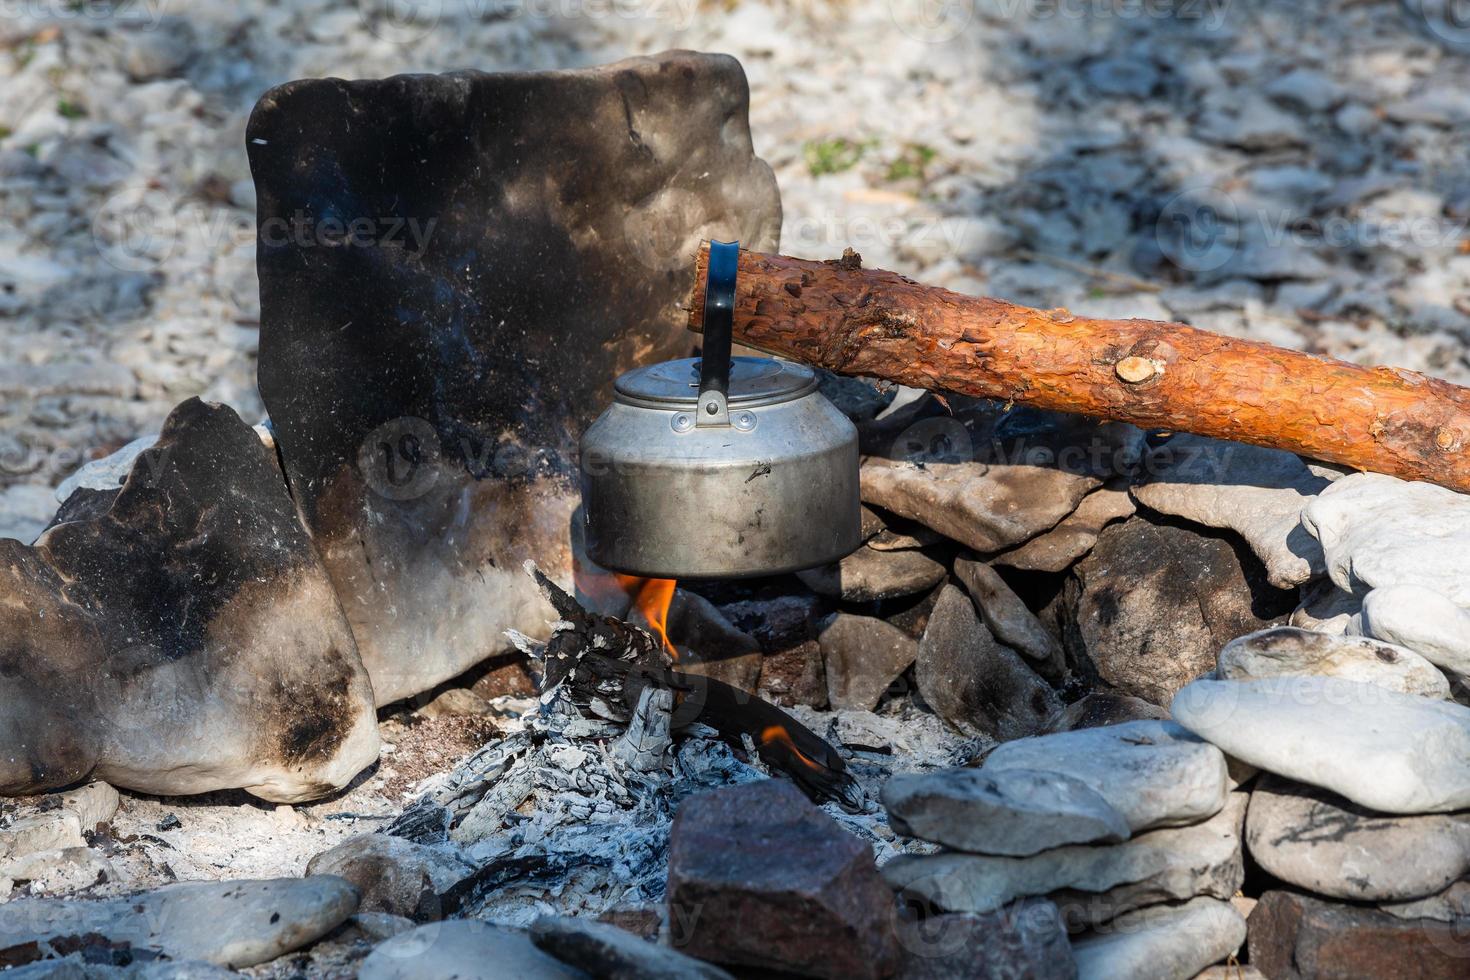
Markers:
point(652, 597)
point(779, 735)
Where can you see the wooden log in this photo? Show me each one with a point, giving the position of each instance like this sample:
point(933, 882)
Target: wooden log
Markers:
point(842, 317)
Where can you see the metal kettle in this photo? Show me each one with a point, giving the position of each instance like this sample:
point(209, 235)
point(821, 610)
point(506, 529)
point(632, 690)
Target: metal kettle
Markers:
point(719, 467)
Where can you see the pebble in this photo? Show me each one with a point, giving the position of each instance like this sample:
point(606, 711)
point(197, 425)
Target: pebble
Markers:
point(1287, 651)
point(1390, 752)
point(1005, 812)
point(1320, 842)
point(1154, 773)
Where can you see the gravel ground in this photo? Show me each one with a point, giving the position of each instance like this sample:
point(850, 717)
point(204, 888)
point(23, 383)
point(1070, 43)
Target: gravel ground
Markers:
point(1287, 171)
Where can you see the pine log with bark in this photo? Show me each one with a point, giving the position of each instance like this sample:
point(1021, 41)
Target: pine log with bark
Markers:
point(850, 320)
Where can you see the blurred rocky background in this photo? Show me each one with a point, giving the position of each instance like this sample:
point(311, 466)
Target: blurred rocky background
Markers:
point(1288, 171)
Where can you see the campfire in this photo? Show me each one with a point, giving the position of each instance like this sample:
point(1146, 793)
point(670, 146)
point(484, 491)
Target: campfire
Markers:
point(959, 640)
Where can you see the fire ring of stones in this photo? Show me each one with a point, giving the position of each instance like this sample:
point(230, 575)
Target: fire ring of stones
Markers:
point(1032, 726)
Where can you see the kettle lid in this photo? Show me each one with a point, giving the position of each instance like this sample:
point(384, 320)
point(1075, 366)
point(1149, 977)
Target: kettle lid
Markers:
point(754, 381)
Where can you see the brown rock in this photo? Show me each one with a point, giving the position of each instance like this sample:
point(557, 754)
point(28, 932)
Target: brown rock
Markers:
point(1008, 618)
point(1293, 935)
point(973, 681)
point(795, 675)
point(863, 656)
point(760, 877)
point(1158, 601)
point(1057, 549)
point(1025, 939)
point(868, 574)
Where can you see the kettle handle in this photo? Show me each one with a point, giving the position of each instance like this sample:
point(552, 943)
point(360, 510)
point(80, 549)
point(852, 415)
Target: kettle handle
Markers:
point(719, 317)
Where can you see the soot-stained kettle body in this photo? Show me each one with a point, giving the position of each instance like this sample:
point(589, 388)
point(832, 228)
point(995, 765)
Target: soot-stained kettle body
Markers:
point(719, 467)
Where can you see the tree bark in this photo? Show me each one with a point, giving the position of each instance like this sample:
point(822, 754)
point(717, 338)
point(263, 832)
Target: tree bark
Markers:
point(1156, 375)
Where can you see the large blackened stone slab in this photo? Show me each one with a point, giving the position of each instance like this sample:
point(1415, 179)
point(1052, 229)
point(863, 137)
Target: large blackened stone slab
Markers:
point(185, 640)
point(521, 240)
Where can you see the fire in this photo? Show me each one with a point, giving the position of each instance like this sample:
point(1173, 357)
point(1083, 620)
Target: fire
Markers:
point(652, 597)
point(779, 735)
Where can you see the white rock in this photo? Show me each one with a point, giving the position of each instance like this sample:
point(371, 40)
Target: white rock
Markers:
point(107, 473)
point(1391, 752)
point(1420, 619)
point(1258, 493)
point(25, 510)
point(1377, 531)
point(1153, 772)
point(1326, 609)
point(1287, 651)
point(230, 923)
point(1163, 943)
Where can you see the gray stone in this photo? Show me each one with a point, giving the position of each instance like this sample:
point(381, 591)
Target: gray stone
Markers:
point(1153, 772)
point(973, 681)
point(586, 189)
point(58, 822)
point(107, 473)
point(1090, 883)
point(1133, 77)
point(185, 639)
point(1023, 940)
point(604, 950)
point(395, 875)
point(1286, 651)
point(1305, 89)
point(1005, 812)
point(459, 949)
point(868, 574)
point(230, 923)
point(1157, 602)
point(1008, 618)
point(1450, 905)
point(160, 51)
point(1319, 841)
point(1391, 752)
point(1163, 943)
point(863, 656)
point(1055, 550)
point(1257, 493)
